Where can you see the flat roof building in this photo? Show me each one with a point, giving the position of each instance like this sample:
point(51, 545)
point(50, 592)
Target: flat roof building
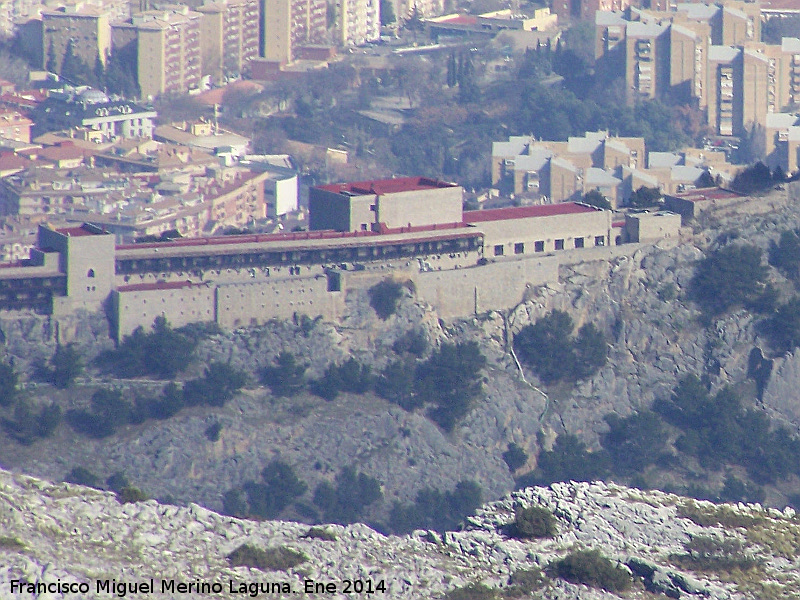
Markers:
point(401, 202)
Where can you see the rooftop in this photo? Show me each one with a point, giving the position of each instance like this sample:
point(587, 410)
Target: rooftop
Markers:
point(386, 186)
point(526, 212)
point(161, 285)
point(81, 231)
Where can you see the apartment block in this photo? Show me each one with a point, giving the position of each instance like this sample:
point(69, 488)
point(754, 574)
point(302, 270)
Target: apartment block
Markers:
point(168, 48)
point(358, 21)
point(229, 37)
point(85, 28)
point(289, 24)
point(647, 59)
point(554, 172)
point(725, 89)
point(586, 9)
point(688, 73)
point(15, 126)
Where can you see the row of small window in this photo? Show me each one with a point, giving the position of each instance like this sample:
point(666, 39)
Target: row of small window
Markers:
point(538, 246)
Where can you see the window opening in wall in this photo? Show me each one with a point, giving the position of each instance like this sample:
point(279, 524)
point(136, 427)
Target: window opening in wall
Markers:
point(363, 227)
point(618, 240)
point(559, 244)
point(90, 273)
point(498, 250)
point(519, 248)
point(579, 242)
point(538, 246)
point(599, 240)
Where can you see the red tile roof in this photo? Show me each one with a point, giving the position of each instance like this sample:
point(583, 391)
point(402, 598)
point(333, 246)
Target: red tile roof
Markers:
point(159, 285)
point(705, 194)
point(9, 160)
point(387, 186)
point(77, 231)
point(526, 212)
point(457, 20)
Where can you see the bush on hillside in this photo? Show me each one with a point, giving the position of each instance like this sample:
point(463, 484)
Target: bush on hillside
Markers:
point(162, 353)
point(279, 558)
point(569, 460)
point(384, 296)
point(286, 377)
point(82, 476)
point(728, 278)
point(634, 442)
point(533, 522)
point(549, 349)
point(515, 457)
point(451, 381)
point(436, 510)
point(350, 376)
point(785, 255)
point(29, 423)
point(345, 500)
point(589, 567)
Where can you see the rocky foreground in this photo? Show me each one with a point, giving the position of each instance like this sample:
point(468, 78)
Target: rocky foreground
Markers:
point(69, 535)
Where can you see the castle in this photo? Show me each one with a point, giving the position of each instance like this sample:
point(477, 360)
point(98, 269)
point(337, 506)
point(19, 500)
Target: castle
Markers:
point(412, 229)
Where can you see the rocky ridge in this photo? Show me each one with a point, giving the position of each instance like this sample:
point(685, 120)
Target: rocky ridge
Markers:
point(51, 532)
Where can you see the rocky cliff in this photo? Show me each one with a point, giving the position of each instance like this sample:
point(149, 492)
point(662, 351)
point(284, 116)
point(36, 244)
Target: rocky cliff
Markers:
point(69, 535)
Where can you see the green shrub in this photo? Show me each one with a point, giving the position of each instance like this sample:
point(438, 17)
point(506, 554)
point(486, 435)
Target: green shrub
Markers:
point(109, 410)
point(645, 197)
point(515, 457)
point(234, 503)
point(279, 489)
point(728, 278)
point(212, 431)
point(569, 460)
point(783, 327)
point(524, 582)
point(436, 510)
point(713, 554)
point(595, 198)
point(589, 567)
point(82, 476)
point(169, 404)
point(65, 365)
point(532, 523)
point(634, 442)
point(116, 482)
point(130, 494)
point(29, 424)
point(163, 352)
point(549, 348)
point(346, 501)
point(350, 376)
point(219, 383)
point(451, 380)
point(320, 533)
point(718, 430)
point(286, 377)
point(396, 384)
point(785, 255)
point(412, 342)
point(384, 296)
point(278, 558)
